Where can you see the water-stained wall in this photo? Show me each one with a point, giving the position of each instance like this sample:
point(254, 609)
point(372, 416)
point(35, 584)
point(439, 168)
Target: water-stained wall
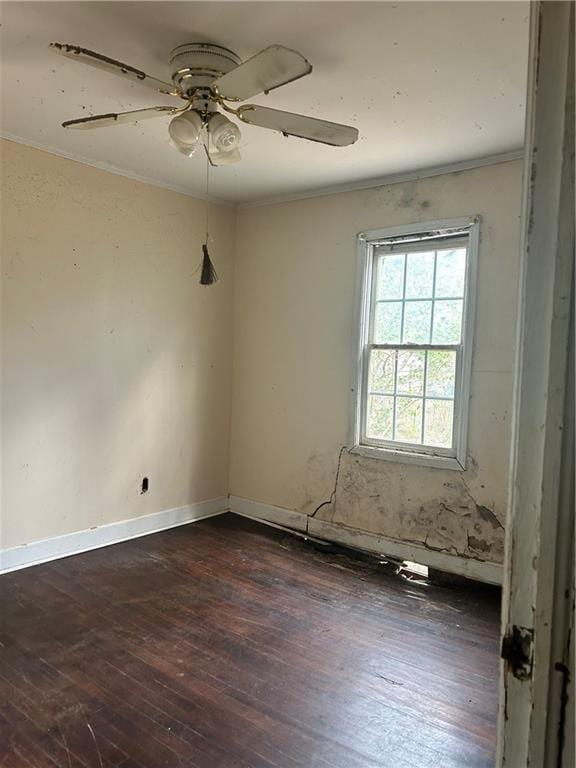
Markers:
point(293, 364)
point(418, 505)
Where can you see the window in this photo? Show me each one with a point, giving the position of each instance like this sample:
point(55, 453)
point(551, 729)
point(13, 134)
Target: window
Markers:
point(415, 342)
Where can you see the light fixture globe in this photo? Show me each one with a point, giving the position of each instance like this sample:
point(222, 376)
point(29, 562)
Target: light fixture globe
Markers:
point(185, 131)
point(225, 134)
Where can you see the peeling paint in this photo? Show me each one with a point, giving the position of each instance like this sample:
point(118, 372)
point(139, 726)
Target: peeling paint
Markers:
point(394, 500)
point(488, 516)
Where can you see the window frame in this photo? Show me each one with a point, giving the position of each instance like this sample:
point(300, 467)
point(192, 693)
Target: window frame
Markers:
point(367, 244)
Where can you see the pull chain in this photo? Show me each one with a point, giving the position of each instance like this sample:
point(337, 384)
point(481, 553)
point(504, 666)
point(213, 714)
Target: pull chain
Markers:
point(209, 275)
point(207, 187)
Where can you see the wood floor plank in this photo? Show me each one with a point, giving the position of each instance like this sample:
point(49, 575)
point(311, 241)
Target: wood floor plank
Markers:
point(229, 644)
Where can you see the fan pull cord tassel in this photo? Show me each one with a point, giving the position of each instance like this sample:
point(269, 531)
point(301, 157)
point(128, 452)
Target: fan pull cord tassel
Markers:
point(209, 274)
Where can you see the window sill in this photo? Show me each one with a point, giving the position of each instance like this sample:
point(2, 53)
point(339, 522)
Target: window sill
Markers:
point(405, 457)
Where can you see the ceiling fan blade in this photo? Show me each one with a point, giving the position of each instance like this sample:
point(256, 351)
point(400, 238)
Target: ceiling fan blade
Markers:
point(301, 126)
point(94, 59)
point(115, 118)
point(269, 69)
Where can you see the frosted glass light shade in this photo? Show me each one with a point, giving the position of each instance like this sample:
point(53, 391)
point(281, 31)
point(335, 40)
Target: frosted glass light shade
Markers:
point(184, 131)
point(225, 134)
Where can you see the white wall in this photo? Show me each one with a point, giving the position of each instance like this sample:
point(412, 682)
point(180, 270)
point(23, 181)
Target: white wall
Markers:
point(116, 362)
point(293, 324)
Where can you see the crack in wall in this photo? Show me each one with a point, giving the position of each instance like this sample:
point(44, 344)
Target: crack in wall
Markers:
point(332, 499)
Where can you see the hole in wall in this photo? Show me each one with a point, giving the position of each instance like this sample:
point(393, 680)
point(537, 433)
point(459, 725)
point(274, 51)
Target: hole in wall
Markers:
point(145, 485)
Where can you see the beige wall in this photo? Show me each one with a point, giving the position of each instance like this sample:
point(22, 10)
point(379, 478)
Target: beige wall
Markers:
point(293, 319)
point(116, 362)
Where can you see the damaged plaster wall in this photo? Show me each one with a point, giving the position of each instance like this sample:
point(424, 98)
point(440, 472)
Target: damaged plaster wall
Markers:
point(293, 363)
point(116, 362)
point(419, 505)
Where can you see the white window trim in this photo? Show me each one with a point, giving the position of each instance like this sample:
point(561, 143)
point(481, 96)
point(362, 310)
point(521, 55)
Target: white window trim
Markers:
point(440, 458)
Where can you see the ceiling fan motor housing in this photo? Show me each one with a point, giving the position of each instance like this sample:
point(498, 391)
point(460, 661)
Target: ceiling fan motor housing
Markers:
point(198, 65)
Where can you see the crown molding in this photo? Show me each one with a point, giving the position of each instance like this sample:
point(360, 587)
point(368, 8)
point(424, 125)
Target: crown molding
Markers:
point(113, 169)
point(395, 178)
point(335, 189)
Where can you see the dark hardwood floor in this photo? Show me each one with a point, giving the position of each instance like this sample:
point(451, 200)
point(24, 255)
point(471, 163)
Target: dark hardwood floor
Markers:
point(228, 644)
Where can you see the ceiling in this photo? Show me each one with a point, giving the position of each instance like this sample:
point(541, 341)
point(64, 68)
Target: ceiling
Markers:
point(426, 84)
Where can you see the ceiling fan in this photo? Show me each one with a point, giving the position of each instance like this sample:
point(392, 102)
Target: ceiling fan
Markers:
point(206, 76)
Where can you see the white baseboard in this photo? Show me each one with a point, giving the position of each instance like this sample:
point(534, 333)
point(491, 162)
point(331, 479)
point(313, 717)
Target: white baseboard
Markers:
point(479, 570)
point(268, 514)
point(82, 541)
point(101, 536)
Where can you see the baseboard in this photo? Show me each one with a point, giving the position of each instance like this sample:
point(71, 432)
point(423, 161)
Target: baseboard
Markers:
point(113, 533)
point(479, 570)
point(102, 536)
point(269, 514)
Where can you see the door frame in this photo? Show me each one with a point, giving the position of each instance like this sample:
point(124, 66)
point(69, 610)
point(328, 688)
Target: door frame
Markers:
point(537, 604)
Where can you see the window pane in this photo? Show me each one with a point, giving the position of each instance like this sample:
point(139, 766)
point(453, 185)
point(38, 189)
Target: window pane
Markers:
point(441, 373)
point(417, 315)
point(390, 276)
point(408, 420)
point(387, 322)
point(379, 417)
point(419, 275)
point(416, 299)
point(410, 379)
point(381, 372)
point(438, 423)
point(447, 322)
point(450, 272)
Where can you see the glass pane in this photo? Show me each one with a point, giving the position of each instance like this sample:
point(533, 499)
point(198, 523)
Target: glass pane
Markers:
point(419, 275)
point(450, 271)
point(441, 373)
point(447, 322)
point(417, 315)
point(381, 371)
point(379, 417)
point(390, 276)
point(387, 322)
point(408, 420)
point(410, 379)
point(438, 423)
